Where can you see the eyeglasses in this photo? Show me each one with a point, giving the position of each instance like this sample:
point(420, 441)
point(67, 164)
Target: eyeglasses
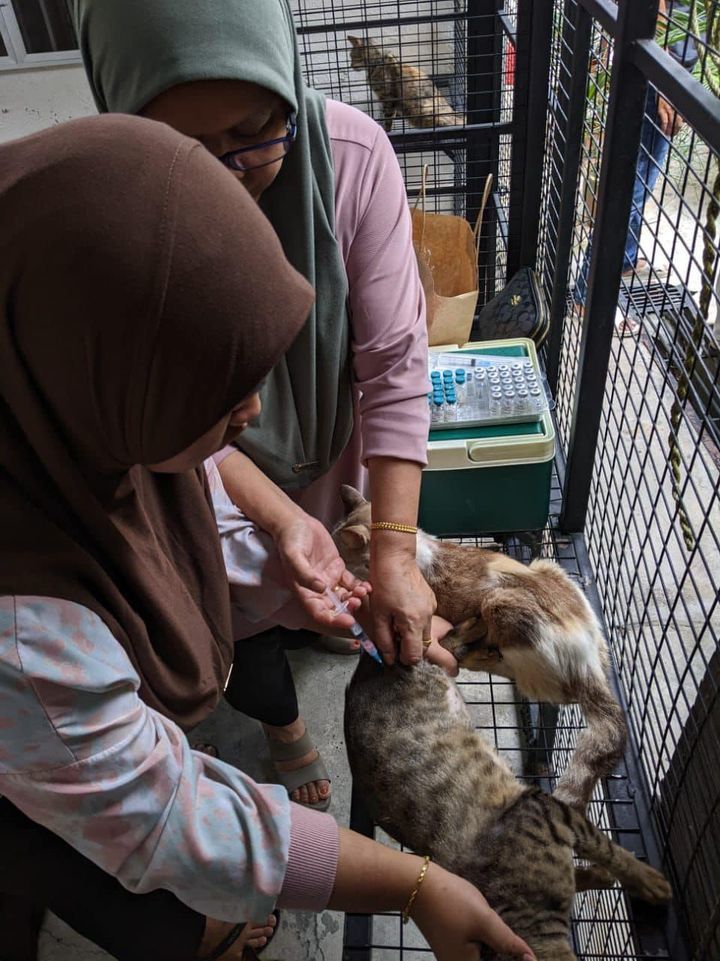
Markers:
point(262, 154)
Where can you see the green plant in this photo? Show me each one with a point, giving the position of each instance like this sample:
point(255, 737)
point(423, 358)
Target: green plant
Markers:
point(700, 19)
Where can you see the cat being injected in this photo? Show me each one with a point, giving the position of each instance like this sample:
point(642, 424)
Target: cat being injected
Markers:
point(433, 783)
point(531, 624)
point(402, 89)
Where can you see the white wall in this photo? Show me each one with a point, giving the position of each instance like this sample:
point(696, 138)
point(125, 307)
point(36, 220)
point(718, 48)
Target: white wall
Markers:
point(40, 97)
point(31, 99)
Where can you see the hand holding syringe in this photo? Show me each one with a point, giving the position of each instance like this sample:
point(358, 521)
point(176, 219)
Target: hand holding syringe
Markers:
point(365, 643)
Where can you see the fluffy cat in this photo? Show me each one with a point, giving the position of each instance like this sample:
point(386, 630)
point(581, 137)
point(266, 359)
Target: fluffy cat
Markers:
point(403, 90)
point(527, 623)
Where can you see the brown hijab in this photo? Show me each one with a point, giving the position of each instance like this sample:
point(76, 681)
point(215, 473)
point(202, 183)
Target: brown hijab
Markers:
point(143, 295)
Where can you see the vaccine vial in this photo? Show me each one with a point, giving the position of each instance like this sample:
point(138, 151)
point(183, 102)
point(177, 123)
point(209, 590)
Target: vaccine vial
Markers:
point(481, 389)
point(508, 403)
point(522, 401)
point(460, 386)
point(470, 385)
point(437, 414)
point(495, 402)
point(537, 402)
point(451, 408)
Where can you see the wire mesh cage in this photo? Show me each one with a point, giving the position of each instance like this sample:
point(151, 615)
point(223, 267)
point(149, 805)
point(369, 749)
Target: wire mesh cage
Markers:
point(651, 526)
point(574, 107)
point(455, 63)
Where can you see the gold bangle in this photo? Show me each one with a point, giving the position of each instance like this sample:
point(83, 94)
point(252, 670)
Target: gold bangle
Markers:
point(427, 641)
point(392, 526)
point(411, 900)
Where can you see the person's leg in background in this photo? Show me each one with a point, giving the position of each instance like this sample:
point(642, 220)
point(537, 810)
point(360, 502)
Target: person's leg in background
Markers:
point(261, 685)
point(654, 147)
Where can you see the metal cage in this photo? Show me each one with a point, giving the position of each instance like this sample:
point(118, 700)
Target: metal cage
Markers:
point(560, 103)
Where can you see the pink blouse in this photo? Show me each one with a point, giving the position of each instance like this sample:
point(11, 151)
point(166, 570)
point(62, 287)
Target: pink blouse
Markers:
point(389, 343)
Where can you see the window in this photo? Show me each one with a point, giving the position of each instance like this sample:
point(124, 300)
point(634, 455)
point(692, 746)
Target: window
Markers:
point(35, 32)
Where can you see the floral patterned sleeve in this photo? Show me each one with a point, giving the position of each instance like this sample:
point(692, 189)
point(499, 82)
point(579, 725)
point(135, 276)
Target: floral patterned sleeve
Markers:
point(81, 754)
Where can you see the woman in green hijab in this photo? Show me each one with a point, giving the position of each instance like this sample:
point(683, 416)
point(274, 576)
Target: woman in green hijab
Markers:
point(350, 394)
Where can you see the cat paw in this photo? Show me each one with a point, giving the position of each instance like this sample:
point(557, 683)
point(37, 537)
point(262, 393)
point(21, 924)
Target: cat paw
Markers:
point(651, 886)
point(468, 642)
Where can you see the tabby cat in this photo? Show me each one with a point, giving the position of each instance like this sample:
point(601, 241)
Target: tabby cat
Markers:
point(403, 90)
point(529, 624)
point(434, 784)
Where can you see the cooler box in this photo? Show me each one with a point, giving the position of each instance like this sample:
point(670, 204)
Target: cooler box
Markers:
point(489, 479)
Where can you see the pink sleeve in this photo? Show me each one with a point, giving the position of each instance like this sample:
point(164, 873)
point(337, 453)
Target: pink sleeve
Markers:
point(386, 299)
point(220, 456)
point(312, 861)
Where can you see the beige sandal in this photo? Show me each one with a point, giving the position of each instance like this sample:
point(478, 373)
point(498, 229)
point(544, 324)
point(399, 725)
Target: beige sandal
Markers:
point(293, 780)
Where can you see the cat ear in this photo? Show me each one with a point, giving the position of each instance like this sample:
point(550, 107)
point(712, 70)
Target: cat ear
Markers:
point(351, 498)
point(355, 536)
point(355, 41)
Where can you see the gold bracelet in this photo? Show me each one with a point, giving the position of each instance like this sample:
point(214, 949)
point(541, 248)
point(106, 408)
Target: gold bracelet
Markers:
point(392, 526)
point(411, 900)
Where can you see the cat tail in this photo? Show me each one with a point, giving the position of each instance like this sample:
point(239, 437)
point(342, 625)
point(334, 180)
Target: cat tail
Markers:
point(600, 746)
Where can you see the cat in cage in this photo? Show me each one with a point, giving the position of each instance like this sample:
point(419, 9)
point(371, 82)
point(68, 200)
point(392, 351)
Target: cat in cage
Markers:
point(433, 783)
point(403, 89)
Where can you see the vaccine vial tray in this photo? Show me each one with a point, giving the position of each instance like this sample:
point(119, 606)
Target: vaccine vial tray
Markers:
point(491, 478)
point(473, 388)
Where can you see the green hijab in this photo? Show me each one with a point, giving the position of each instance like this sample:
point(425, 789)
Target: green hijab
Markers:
point(133, 50)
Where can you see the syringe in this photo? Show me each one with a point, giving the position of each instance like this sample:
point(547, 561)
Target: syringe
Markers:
point(365, 643)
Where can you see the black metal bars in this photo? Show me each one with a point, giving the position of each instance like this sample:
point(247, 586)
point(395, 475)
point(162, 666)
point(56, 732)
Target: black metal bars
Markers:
point(636, 21)
point(571, 103)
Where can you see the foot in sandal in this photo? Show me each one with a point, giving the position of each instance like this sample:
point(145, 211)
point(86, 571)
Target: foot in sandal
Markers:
point(299, 767)
point(236, 942)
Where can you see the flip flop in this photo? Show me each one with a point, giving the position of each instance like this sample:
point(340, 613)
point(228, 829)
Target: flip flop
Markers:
point(292, 780)
point(249, 954)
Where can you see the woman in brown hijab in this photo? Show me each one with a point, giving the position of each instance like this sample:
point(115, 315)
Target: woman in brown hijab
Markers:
point(121, 290)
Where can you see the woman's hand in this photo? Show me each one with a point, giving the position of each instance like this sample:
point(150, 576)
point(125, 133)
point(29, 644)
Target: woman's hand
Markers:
point(451, 913)
point(402, 603)
point(669, 120)
point(455, 919)
point(311, 563)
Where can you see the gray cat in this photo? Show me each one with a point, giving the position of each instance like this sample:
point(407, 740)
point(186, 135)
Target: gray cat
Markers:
point(438, 787)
